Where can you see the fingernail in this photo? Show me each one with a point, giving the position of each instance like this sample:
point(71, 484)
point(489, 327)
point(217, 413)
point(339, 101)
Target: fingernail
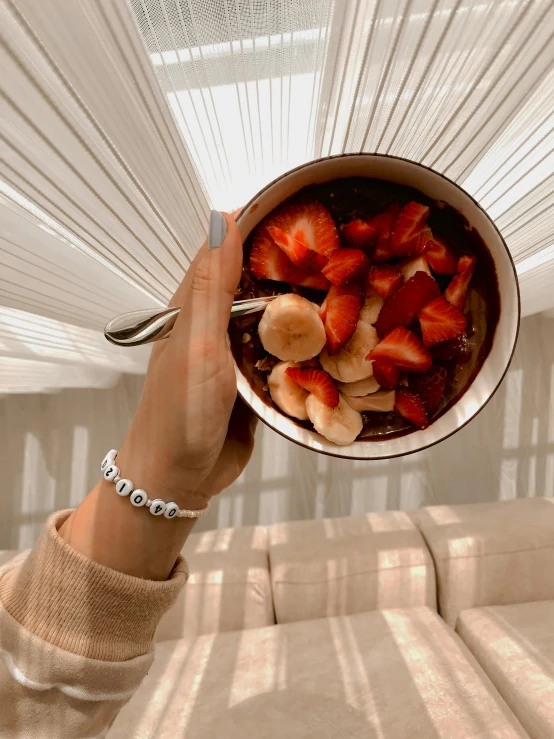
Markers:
point(217, 230)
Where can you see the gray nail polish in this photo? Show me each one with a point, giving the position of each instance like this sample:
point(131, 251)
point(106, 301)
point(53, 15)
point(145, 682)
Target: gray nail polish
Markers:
point(217, 230)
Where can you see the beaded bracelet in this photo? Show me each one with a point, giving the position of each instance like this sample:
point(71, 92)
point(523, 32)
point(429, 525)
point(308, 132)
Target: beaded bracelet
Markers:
point(138, 497)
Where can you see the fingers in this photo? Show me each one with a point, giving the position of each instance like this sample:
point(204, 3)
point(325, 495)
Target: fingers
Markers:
point(207, 292)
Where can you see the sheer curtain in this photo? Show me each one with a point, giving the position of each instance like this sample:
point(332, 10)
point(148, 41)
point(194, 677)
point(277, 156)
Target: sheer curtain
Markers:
point(123, 122)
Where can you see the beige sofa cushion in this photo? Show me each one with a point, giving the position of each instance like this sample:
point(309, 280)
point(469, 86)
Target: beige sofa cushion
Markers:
point(490, 553)
point(340, 566)
point(515, 647)
point(399, 674)
point(228, 586)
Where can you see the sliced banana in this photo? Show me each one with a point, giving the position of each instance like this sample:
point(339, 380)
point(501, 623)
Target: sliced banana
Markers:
point(382, 401)
point(350, 364)
point(286, 393)
point(410, 266)
point(371, 308)
point(340, 425)
point(360, 388)
point(291, 328)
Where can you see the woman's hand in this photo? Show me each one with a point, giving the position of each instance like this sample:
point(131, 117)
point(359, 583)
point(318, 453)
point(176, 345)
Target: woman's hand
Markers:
point(191, 436)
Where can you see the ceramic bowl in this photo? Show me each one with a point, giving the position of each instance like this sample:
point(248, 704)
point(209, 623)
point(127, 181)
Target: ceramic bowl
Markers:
point(438, 187)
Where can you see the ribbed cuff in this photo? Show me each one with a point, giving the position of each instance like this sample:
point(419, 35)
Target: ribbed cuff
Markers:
point(81, 606)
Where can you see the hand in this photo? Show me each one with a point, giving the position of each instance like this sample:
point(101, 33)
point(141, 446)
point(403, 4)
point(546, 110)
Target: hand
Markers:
point(191, 437)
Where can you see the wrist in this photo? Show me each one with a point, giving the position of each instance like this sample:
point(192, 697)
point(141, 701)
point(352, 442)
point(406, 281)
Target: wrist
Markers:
point(107, 529)
point(160, 477)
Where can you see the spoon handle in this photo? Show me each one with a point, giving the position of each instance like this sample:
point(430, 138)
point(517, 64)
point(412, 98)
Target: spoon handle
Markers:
point(144, 326)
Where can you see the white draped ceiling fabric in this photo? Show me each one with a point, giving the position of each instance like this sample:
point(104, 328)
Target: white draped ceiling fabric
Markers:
point(122, 123)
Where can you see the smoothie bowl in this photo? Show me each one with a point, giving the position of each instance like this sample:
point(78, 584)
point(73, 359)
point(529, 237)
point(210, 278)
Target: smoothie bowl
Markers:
point(398, 307)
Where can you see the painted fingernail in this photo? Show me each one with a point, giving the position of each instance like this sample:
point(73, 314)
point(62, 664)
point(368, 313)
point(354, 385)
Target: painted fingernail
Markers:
point(217, 230)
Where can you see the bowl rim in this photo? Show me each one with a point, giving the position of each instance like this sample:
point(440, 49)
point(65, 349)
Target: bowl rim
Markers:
point(328, 453)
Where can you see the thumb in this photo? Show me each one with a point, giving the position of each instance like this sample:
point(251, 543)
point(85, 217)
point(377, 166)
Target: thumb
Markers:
point(207, 292)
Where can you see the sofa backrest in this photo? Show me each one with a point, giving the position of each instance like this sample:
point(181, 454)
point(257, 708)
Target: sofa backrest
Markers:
point(490, 554)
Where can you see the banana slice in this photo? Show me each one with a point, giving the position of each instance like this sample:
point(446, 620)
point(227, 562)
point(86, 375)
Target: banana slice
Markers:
point(287, 394)
point(371, 308)
point(410, 266)
point(291, 328)
point(360, 388)
point(340, 425)
point(350, 364)
point(381, 401)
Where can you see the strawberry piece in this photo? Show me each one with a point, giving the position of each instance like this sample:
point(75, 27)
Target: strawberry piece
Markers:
point(384, 222)
point(430, 387)
point(441, 258)
point(298, 253)
point(404, 349)
point(346, 266)
point(386, 374)
point(385, 279)
point(440, 321)
point(360, 234)
point(342, 308)
point(269, 262)
point(404, 305)
point(310, 223)
point(447, 351)
point(408, 405)
point(318, 382)
point(456, 292)
point(410, 235)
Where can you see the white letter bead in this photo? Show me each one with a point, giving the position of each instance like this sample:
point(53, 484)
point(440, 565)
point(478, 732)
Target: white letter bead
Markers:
point(157, 507)
point(171, 510)
point(138, 498)
point(111, 472)
point(124, 487)
point(109, 459)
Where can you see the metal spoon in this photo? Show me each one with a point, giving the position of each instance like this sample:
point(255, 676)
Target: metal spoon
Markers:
point(145, 326)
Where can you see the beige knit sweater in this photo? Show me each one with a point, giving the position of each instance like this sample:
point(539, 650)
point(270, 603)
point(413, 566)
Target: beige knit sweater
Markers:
point(76, 639)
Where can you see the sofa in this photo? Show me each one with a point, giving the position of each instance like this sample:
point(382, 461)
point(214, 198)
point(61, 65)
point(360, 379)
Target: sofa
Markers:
point(435, 624)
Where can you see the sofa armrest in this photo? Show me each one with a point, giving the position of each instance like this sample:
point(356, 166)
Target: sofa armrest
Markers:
point(343, 566)
point(489, 554)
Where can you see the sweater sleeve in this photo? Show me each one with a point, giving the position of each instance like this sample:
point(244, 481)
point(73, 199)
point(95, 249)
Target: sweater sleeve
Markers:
point(76, 639)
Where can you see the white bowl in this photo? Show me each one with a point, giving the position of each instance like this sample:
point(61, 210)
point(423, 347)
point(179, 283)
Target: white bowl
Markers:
point(437, 187)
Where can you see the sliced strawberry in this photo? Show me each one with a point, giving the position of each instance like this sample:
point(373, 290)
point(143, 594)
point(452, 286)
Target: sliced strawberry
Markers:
point(385, 279)
point(346, 266)
point(441, 258)
point(410, 235)
point(456, 292)
point(440, 321)
point(310, 223)
point(408, 405)
point(360, 234)
point(268, 262)
point(404, 349)
point(447, 351)
point(404, 305)
point(430, 387)
point(318, 382)
point(384, 222)
point(342, 308)
point(298, 253)
point(386, 374)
